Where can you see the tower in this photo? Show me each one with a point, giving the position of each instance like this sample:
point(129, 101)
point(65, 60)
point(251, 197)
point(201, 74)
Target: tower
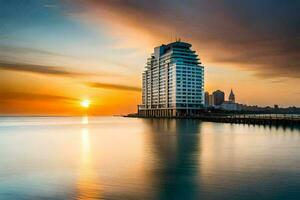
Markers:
point(231, 97)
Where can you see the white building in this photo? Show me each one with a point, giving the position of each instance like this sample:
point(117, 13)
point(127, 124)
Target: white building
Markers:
point(230, 105)
point(173, 82)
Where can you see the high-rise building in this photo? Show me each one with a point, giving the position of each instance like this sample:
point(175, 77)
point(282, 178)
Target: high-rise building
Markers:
point(173, 82)
point(211, 100)
point(218, 97)
point(206, 99)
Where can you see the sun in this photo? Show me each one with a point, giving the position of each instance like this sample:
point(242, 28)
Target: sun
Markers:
point(85, 103)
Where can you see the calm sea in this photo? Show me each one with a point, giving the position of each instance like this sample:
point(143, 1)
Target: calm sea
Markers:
point(128, 159)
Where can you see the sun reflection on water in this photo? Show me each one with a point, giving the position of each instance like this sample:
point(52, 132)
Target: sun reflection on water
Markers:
point(85, 120)
point(87, 183)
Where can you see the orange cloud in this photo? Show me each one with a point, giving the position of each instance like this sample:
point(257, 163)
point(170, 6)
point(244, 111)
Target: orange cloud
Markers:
point(113, 86)
point(39, 69)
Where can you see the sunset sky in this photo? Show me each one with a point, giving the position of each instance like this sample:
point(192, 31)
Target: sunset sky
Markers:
point(55, 54)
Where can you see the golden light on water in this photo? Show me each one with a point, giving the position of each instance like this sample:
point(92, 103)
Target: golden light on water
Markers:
point(85, 120)
point(85, 139)
point(85, 103)
point(87, 183)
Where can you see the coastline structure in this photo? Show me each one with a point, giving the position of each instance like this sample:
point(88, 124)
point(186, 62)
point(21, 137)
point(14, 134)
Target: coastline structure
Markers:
point(173, 82)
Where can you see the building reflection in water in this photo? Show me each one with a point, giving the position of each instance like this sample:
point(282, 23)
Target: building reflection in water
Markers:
point(175, 144)
point(179, 159)
point(87, 183)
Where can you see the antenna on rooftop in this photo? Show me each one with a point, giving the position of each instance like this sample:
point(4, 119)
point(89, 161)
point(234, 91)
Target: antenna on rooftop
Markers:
point(177, 39)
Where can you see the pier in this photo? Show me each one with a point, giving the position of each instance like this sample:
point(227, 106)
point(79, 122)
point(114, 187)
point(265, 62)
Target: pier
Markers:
point(254, 119)
point(265, 119)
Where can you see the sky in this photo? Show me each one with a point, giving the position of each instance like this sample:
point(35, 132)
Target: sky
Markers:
point(56, 53)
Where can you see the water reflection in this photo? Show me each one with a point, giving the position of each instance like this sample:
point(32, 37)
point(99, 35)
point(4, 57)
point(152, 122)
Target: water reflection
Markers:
point(216, 161)
point(176, 145)
point(85, 120)
point(246, 162)
point(87, 183)
point(126, 158)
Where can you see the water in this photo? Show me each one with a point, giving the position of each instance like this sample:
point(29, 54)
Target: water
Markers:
point(127, 158)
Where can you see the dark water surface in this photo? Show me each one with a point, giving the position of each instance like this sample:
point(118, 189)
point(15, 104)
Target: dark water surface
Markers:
point(126, 158)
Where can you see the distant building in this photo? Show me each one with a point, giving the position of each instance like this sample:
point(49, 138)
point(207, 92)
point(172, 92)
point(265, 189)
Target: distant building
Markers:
point(231, 97)
point(218, 97)
point(173, 82)
point(215, 99)
point(206, 99)
point(211, 101)
point(230, 105)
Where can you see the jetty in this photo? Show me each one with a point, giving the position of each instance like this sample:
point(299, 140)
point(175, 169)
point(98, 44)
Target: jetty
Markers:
point(259, 119)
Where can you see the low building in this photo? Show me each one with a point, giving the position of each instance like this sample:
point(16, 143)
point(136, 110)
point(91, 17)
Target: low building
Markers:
point(230, 106)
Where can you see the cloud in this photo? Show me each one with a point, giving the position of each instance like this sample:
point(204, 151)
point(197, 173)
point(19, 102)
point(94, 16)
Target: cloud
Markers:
point(39, 69)
point(33, 96)
point(4, 49)
point(50, 6)
point(278, 81)
point(113, 86)
point(15, 52)
point(259, 36)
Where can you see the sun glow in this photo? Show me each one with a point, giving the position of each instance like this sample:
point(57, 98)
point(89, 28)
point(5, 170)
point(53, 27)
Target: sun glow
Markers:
point(85, 103)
